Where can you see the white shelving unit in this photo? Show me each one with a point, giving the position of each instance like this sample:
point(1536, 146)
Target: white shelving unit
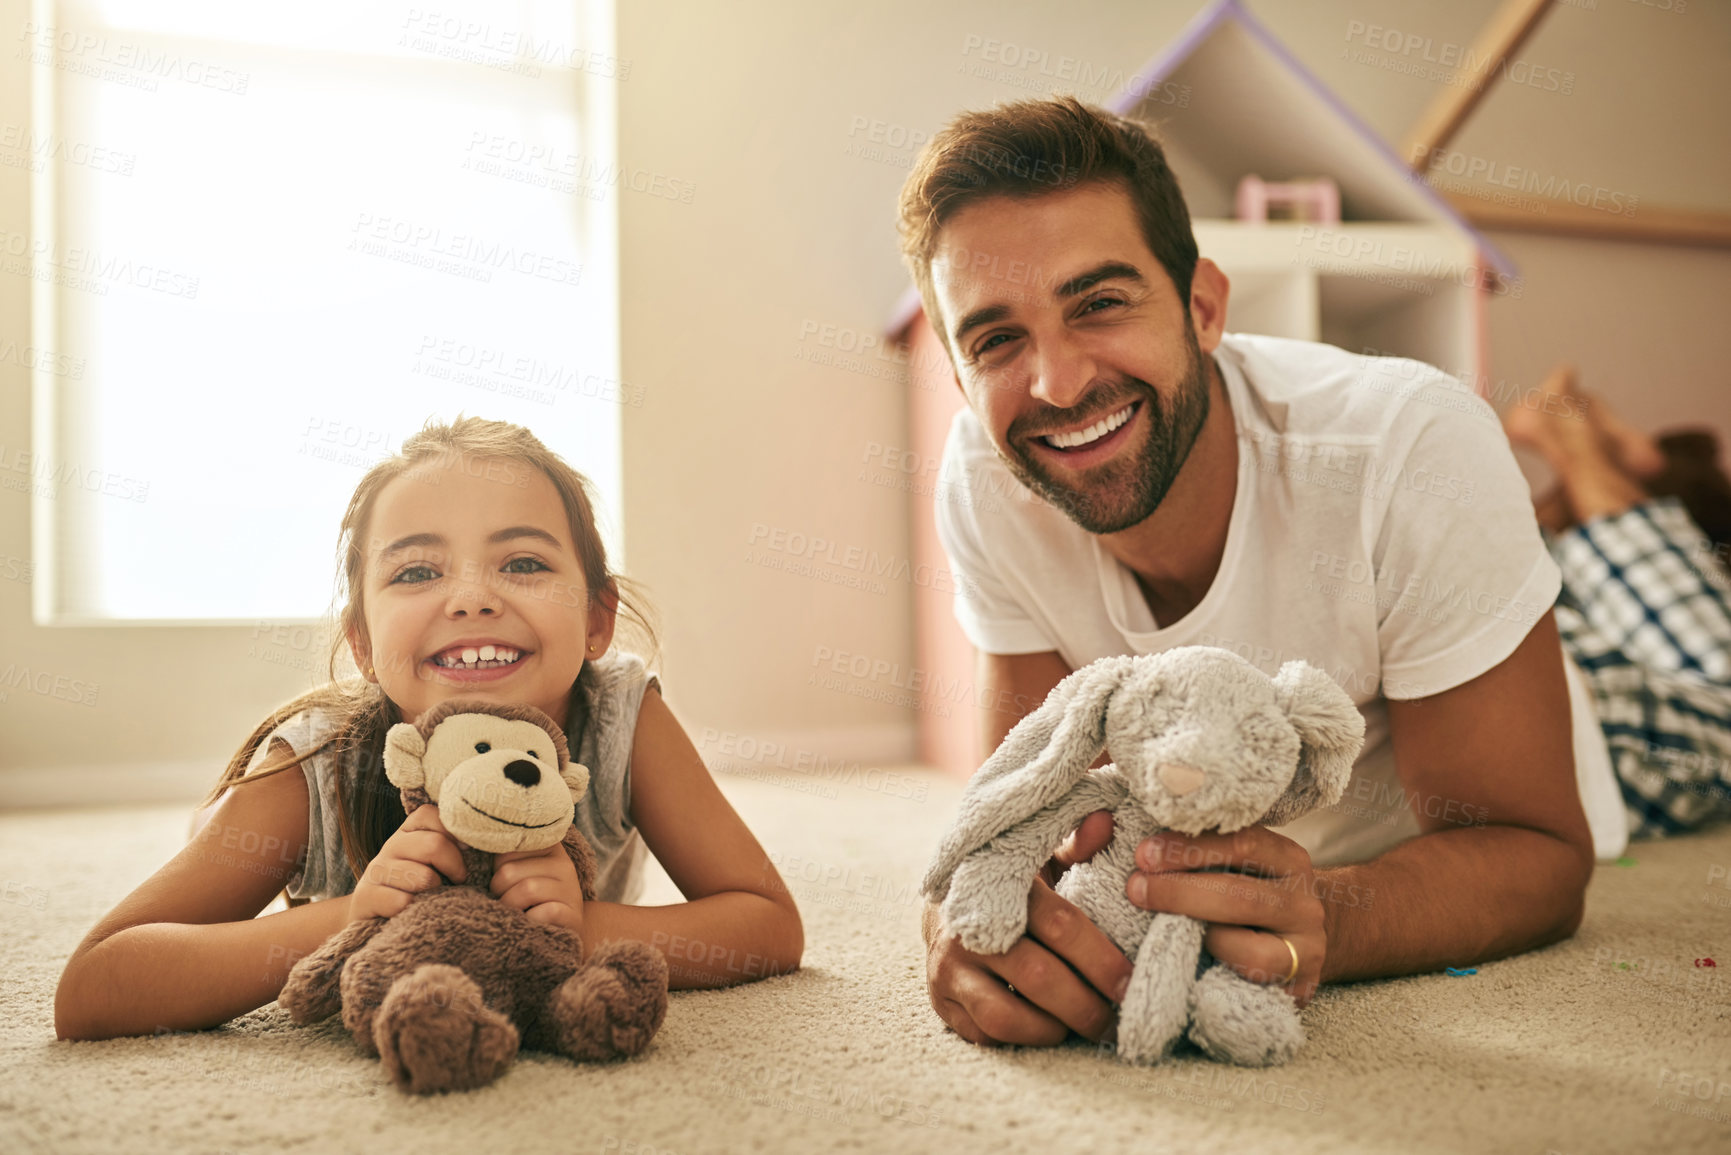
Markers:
point(1402, 273)
point(1367, 286)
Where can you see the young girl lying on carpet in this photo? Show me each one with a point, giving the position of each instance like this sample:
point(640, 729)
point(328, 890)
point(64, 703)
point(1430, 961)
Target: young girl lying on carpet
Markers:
point(472, 568)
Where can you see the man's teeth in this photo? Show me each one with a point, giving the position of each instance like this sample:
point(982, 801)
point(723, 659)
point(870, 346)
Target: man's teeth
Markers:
point(471, 658)
point(1093, 433)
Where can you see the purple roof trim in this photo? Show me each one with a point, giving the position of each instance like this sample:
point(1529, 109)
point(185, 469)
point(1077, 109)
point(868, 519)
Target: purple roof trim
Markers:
point(1204, 23)
point(1201, 26)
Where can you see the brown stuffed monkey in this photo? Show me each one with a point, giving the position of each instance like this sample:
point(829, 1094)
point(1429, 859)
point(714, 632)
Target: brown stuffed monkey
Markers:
point(445, 991)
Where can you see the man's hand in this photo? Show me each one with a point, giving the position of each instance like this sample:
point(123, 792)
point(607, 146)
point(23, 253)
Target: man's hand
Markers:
point(1248, 912)
point(1064, 975)
point(542, 884)
point(1084, 843)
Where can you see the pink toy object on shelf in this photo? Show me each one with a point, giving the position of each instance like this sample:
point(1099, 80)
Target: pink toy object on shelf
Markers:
point(1314, 199)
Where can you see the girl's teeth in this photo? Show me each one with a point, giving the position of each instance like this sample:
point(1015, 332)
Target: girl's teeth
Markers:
point(486, 657)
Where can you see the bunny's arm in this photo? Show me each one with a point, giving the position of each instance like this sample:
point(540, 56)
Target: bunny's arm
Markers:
point(1039, 764)
point(987, 902)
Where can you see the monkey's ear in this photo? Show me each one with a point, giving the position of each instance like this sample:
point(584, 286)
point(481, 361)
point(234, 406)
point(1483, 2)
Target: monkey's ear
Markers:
point(576, 776)
point(404, 749)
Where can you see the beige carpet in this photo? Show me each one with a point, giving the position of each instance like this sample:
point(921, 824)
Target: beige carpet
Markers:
point(1613, 1041)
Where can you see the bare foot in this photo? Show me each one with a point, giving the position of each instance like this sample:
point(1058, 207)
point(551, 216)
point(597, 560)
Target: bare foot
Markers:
point(1585, 459)
point(1560, 395)
point(1530, 428)
point(1638, 453)
point(1555, 424)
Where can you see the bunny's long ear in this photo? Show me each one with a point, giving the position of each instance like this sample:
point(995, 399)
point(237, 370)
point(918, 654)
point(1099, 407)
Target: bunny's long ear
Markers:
point(1039, 762)
point(1330, 732)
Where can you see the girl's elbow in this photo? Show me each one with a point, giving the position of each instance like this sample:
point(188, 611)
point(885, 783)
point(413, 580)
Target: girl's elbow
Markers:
point(782, 939)
point(66, 1028)
point(70, 1030)
point(791, 932)
point(85, 1003)
point(73, 1020)
point(795, 932)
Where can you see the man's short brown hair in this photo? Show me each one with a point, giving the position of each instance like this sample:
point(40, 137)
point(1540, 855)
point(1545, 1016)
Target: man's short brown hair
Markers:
point(1031, 148)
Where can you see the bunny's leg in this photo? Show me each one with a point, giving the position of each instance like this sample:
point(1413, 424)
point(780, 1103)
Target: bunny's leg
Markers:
point(1157, 1005)
point(1238, 1021)
point(613, 1005)
point(311, 992)
point(435, 1033)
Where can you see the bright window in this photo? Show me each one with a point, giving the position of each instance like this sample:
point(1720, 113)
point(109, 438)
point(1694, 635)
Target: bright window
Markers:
point(269, 242)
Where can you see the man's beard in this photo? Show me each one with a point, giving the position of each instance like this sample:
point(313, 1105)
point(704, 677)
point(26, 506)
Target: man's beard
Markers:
point(1121, 493)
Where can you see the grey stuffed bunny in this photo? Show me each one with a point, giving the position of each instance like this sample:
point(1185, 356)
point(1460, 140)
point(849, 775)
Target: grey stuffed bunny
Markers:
point(1201, 740)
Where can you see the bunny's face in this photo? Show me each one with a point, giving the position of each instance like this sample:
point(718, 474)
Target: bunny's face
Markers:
point(1203, 743)
point(1203, 739)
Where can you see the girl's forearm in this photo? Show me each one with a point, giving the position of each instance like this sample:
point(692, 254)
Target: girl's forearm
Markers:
point(182, 976)
point(717, 941)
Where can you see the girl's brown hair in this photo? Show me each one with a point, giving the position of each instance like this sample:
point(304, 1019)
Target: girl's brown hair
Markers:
point(369, 808)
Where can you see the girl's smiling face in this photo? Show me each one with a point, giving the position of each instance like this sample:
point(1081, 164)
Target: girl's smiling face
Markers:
point(473, 589)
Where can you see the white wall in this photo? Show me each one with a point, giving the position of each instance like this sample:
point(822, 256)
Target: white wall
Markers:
point(757, 101)
point(791, 233)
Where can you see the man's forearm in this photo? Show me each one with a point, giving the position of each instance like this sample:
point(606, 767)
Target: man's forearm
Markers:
point(1450, 898)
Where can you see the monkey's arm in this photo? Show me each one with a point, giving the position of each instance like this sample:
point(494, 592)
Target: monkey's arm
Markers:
point(583, 858)
point(312, 992)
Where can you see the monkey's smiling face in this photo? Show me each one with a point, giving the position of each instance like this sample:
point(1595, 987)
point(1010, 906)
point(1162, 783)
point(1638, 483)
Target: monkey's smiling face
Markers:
point(498, 783)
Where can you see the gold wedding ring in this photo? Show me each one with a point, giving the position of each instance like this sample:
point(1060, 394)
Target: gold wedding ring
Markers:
point(1293, 973)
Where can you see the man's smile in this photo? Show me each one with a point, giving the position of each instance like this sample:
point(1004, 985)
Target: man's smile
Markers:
point(1092, 443)
point(1078, 438)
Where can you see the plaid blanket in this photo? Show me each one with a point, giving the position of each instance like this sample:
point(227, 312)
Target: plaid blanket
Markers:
point(1646, 613)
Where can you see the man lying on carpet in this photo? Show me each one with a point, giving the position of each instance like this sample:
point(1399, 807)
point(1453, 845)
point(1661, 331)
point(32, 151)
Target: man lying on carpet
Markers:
point(1288, 500)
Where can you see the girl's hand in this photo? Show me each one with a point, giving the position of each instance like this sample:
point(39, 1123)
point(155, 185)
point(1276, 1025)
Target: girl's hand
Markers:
point(420, 856)
point(542, 884)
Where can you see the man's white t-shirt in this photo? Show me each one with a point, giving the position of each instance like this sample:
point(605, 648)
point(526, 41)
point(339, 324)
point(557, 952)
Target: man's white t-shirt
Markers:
point(1381, 530)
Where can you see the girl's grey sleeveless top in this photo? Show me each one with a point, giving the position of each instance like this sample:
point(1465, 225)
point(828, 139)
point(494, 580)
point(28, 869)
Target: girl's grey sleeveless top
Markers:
point(612, 689)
